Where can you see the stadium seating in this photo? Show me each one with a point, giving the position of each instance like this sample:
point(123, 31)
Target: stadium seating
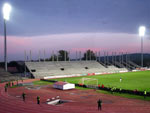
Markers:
point(6, 76)
point(57, 68)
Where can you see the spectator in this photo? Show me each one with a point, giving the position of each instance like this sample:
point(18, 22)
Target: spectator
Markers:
point(102, 86)
point(135, 91)
point(145, 93)
point(120, 90)
point(112, 90)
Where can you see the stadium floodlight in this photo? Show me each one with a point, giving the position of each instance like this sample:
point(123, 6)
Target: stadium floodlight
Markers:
point(142, 30)
point(6, 12)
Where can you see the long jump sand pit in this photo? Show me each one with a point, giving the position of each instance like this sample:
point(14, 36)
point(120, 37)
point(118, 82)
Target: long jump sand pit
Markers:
point(79, 101)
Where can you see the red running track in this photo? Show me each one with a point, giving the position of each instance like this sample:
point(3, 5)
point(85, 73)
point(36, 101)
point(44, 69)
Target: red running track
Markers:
point(82, 101)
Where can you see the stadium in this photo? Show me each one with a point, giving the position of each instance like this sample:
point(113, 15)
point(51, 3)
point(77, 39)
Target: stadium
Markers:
point(84, 97)
point(73, 80)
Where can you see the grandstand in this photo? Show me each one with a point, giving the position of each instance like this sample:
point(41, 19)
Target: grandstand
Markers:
point(53, 69)
point(6, 76)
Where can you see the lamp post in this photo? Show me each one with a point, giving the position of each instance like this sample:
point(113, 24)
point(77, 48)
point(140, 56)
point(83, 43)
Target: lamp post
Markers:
point(6, 12)
point(142, 30)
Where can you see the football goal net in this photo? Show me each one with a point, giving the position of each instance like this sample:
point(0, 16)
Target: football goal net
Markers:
point(88, 81)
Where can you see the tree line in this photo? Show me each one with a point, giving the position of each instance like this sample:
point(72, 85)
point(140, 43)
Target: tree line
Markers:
point(64, 56)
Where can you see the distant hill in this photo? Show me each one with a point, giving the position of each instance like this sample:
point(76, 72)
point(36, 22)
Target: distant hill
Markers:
point(136, 58)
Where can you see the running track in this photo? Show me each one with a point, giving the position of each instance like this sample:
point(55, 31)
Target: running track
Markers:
point(82, 101)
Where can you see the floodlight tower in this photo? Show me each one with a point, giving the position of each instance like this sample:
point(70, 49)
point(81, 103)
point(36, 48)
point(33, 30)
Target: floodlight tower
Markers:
point(142, 30)
point(6, 12)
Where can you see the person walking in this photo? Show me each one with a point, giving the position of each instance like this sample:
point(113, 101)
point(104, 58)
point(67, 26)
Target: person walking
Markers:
point(99, 102)
point(38, 100)
point(23, 96)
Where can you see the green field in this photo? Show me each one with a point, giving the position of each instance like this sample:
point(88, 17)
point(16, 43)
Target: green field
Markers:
point(131, 80)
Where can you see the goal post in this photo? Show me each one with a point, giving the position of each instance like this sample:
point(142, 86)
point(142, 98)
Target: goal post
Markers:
point(88, 81)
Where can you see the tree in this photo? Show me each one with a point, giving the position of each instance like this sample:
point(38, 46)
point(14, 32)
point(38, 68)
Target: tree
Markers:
point(89, 55)
point(52, 58)
point(63, 55)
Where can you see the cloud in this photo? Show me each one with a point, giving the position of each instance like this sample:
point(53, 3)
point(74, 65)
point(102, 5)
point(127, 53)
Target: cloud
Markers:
point(110, 42)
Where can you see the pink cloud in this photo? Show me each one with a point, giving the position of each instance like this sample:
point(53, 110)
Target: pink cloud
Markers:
point(110, 42)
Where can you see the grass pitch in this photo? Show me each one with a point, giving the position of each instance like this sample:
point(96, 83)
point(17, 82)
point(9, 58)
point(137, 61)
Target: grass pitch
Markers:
point(130, 80)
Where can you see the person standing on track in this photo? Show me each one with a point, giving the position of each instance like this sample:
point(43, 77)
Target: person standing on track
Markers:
point(38, 100)
point(6, 87)
point(23, 96)
point(99, 102)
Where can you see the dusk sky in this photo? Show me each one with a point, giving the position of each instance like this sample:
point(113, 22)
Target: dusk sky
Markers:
point(100, 25)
